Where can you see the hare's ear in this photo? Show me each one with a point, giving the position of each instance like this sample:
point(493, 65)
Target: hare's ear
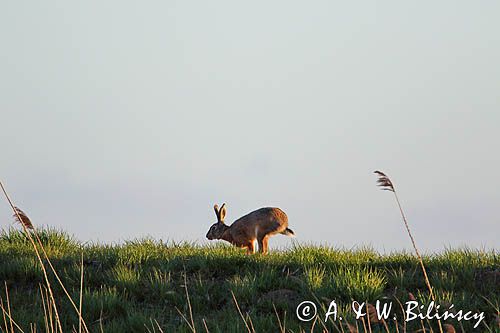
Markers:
point(222, 212)
point(216, 208)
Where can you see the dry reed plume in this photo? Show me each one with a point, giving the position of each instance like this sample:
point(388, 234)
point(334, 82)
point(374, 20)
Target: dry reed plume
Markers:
point(386, 184)
point(22, 218)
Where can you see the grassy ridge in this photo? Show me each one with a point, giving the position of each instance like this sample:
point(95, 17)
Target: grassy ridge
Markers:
point(128, 286)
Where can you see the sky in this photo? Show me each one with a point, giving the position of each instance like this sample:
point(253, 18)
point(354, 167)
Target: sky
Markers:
point(121, 120)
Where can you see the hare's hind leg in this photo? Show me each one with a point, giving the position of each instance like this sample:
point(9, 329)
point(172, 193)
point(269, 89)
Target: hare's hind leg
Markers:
point(251, 247)
point(263, 244)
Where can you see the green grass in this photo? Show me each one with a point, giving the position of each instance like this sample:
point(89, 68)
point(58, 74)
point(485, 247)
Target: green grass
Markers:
point(127, 287)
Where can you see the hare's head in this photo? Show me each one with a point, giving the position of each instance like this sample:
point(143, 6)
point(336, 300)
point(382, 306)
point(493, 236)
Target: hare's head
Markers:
point(218, 228)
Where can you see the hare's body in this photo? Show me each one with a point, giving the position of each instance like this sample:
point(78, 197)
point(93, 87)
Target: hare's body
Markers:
point(255, 227)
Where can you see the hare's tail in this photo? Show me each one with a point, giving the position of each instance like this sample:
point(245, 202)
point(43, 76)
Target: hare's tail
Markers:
point(288, 232)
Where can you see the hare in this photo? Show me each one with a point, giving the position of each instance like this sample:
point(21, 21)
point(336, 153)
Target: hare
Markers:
point(258, 226)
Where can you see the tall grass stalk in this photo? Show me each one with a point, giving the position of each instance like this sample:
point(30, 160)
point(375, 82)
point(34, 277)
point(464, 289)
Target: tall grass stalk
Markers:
point(241, 314)
point(25, 222)
point(281, 326)
point(189, 303)
point(77, 309)
point(8, 313)
point(205, 325)
point(80, 318)
point(386, 184)
point(28, 234)
point(45, 315)
point(191, 323)
point(3, 314)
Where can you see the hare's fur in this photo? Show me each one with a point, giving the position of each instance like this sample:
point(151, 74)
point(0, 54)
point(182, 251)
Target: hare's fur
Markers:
point(255, 227)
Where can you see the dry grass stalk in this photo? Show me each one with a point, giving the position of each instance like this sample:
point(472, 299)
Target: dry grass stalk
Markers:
point(101, 326)
point(351, 328)
point(60, 282)
point(154, 324)
point(49, 308)
point(364, 324)
point(403, 312)
point(325, 329)
point(282, 328)
point(189, 323)
point(186, 320)
point(250, 322)
point(23, 219)
point(205, 325)
point(396, 324)
point(314, 323)
point(241, 314)
point(368, 320)
point(158, 325)
point(386, 184)
point(45, 316)
point(342, 328)
point(8, 306)
point(80, 319)
point(8, 313)
point(35, 247)
point(334, 324)
point(189, 303)
point(374, 318)
point(4, 317)
point(27, 222)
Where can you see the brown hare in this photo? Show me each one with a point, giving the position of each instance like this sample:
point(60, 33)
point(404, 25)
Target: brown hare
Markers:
point(256, 226)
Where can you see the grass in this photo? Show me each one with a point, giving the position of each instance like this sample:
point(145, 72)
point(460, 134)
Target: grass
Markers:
point(141, 285)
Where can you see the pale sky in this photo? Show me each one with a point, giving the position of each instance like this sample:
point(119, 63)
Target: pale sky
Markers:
point(125, 119)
